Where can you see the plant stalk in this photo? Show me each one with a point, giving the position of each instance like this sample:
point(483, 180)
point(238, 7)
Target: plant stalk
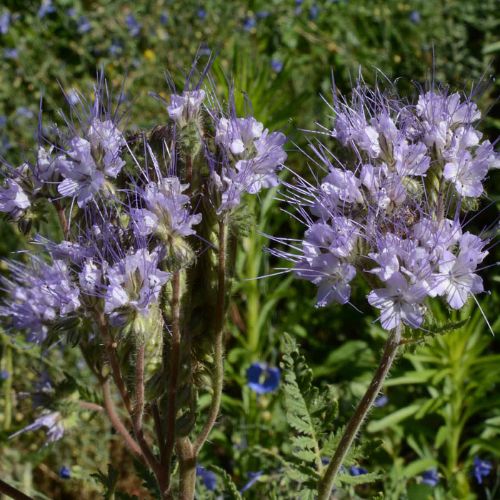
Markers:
point(12, 492)
point(326, 483)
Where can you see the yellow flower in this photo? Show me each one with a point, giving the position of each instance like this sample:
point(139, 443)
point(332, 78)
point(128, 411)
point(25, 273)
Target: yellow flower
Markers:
point(150, 55)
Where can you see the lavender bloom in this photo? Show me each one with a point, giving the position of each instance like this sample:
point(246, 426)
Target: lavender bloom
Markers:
point(84, 25)
point(415, 17)
point(256, 153)
point(51, 421)
point(184, 108)
point(46, 8)
point(249, 23)
point(135, 281)
point(134, 27)
point(383, 215)
point(38, 295)
point(276, 65)
point(482, 469)
point(4, 374)
point(5, 17)
point(381, 401)
point(201, 13)
point(89, 161)
point(262, 378)
point(165, 214)
point(208, 477)
point(13, 200)
point(10, 53)
point(430, 477)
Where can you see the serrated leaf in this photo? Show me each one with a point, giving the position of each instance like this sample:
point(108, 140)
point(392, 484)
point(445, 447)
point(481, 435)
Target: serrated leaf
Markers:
point(230, 488)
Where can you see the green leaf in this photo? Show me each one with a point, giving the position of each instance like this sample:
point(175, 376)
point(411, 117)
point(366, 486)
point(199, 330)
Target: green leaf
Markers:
point(230, 488)
point(393, 418)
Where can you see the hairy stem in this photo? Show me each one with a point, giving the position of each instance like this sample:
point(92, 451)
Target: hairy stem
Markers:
point(218, 374)
point(139, 387)
point(7, 411)
point(187, 469)
point(326, 483)
point(12, 492)
point(173, 379)
point(116, 421)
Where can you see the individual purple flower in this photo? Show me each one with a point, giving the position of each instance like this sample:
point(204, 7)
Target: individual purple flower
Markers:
point(313, 12)
point(201, 13)
point(4, 374)
point(415, 17)
point(184, 108)
point(134, 27)
point(262, 378)
point(482, 468)
point(10, 53)
point(430, 477)
point(84, 25)
point(276, 65)
point(381, 401)
point(65, 472)
point(164, 18)
point(166, 211)
point(208, 478)
point(52, 421)
point(249, 23)
point(330, 274)
point(5, 17)
point(253, 477)
point(88, 161)
point(357, 471)
point(13, 200)
point(135, 281)
point(400, 302)
point(46, 8)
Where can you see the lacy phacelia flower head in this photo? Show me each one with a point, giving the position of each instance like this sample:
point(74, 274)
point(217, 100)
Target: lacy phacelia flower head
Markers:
point(90, 160)
point(13, 200)
point(392, 213)
point(134, 282)
point(185, 107)
point(166, 214)
point(37, 295)
point(253, 156)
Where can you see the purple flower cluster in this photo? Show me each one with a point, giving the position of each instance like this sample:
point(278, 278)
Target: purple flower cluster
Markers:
point(38, 295)
point(391, 211)
point(13, 200)
point(253, 157)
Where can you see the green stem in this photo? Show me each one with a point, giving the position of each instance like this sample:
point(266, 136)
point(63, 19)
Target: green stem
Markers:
point(8, 387)
point(326, 483)
point(218, 375)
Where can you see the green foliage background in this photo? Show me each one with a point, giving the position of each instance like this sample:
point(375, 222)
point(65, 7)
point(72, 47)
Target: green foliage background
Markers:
point(443, 395)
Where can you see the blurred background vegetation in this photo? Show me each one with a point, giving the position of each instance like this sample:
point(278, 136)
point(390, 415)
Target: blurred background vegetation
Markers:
point(443, 405)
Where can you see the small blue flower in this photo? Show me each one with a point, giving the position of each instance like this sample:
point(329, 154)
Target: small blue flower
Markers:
point(276, 65)
point(10, 53)
point(4, 374)
point(134, 27)
point(64, 472)
point(208, 477)
point(430, 477)
point(313, 12)
point(71, 12)
point(4, 22)
point(164, 18)
point(46, 8)
point(201, 13)
point(262, 14)
point(381, 401)
point(482, 468)
point(415, 17)
point(357, 471)
point(262, 378)
point(249, 23)
point(253, 478)
point(84, 25)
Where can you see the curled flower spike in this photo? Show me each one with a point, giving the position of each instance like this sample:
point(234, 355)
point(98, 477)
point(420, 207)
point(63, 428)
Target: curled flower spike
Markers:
point(392, 212)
